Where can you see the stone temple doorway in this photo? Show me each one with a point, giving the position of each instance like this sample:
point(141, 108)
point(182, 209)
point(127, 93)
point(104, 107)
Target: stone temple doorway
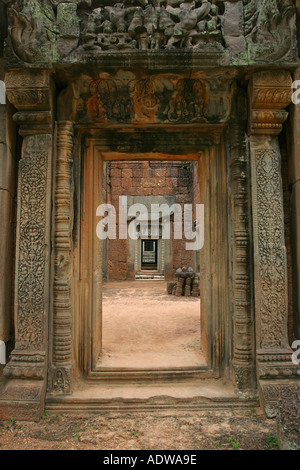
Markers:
point(143, 326)
point(205, 152)
point(221, 104)
point(158, 188)
point(149, 254)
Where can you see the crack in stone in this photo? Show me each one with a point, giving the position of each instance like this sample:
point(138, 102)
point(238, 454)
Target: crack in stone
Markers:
point(7, 191)
point(295, 182)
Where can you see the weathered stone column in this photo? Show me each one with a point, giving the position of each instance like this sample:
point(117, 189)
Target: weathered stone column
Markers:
point(23, 396)
point(269, 94)
point(243, 334)
point(60, 371)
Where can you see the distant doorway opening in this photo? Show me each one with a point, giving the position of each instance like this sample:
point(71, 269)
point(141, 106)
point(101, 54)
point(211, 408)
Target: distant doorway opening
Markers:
point(149, 254)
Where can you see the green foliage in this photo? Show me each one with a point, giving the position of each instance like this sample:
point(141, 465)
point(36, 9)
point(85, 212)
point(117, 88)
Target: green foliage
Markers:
point(46, 414)
point(235, 445)
point(11, 421)
point(273, 442)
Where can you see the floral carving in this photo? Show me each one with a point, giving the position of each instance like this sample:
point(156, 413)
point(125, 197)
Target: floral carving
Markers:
point(272, 262)
point(32, 255)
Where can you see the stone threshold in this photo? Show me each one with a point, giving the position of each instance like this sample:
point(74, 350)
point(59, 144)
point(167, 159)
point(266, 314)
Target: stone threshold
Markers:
point(146, 376)
point(149, 277)
point(196, 395)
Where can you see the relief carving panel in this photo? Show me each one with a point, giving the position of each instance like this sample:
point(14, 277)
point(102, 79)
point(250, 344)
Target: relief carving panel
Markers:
point(161, 98)
point(32, 256)
point(271, 251)
point(79, 31)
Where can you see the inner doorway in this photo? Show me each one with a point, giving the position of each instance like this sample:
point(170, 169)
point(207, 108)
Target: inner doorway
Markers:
point(149, 254)
point(213, 258)
point(143, 325)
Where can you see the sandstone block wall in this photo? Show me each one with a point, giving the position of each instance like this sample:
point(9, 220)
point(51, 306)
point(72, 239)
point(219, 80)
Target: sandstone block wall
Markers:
point(146, 178)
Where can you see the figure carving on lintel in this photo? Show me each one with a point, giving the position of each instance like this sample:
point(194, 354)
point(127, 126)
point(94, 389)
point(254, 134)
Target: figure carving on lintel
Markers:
point(153, 24)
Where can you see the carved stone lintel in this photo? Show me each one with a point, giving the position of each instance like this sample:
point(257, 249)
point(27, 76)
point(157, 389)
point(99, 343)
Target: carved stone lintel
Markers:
point(46, 32)
point(163, 98)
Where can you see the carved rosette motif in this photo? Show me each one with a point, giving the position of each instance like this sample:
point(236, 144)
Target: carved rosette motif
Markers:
point(60, 372)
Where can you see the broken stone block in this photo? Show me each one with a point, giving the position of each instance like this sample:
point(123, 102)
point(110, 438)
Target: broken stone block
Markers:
point(170, 287)
point(195, 289)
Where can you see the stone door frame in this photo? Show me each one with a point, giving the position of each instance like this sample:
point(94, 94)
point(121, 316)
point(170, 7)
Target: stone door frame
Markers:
point(53, 341)
point(213, 324)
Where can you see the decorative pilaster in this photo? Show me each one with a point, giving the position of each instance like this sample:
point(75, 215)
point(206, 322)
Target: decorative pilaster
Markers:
point(243, 335)
point(59, 380)
point(269, 94)
point(23, 396)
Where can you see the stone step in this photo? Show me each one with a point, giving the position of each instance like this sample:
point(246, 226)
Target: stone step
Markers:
point(196, 395)
point(149, 276)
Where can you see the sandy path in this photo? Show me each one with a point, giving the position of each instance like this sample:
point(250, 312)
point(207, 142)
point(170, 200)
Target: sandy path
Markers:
point(143, 327)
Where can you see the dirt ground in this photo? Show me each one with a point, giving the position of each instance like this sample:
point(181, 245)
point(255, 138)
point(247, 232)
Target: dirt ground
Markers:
point(168, 331)
point(232, 429)
point(144, 327)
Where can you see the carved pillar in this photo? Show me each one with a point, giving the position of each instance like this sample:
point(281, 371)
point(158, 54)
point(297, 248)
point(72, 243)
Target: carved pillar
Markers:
point(59, 380)
point(243, 344)
point(23, 395)
point(269, 94)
